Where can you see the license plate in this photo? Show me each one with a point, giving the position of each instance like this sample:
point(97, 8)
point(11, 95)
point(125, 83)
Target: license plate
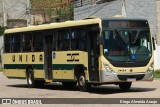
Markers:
point(131, 79)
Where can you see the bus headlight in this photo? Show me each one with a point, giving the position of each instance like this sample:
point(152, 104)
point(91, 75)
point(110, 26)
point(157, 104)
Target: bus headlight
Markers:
point(106, 66)
point(151, 68)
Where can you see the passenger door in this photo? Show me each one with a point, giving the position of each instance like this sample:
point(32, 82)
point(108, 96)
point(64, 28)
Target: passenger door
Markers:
point(48, 41)
point(93, 55)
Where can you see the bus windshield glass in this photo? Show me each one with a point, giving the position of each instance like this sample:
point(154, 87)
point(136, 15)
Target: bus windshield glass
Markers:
point(129, 41)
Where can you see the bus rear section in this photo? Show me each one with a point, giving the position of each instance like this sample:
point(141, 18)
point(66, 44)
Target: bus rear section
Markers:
point(66, 52)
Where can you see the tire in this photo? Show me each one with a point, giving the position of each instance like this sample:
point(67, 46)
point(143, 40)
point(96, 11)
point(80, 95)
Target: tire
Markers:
point(125, 86)
point(31, 82)
point(82, 83)
point(30, 78)
point(69, 84)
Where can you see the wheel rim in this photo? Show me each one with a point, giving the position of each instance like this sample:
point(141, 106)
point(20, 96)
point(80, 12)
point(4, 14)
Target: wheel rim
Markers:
point(30, 79)
point(82, 81)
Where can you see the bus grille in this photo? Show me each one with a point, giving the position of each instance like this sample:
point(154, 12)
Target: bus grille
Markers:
point(125, 77)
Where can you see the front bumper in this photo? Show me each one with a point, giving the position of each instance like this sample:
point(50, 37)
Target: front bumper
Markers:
point(107, 77)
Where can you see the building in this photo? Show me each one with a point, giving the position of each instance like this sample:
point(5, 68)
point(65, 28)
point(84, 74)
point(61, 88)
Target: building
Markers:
point(148, 9)
point(11, 11)
point(47, 11)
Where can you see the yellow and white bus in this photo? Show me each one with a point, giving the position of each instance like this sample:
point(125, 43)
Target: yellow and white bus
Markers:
point(86, 52)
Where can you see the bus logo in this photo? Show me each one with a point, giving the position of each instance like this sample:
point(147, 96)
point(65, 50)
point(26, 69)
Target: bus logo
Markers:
point(73, 57)
point(6, 101)
point(133, 56)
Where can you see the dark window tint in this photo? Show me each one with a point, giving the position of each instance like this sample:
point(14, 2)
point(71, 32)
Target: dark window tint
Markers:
point(78, 39)
point(25, 42)
point(15, 43)
point(7, 43)
point(37, 41)
point(54, 45)
point(63, 39)
point(12, 42)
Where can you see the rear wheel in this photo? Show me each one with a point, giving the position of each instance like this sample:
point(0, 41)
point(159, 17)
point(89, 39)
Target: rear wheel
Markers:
point(82, 83)
point(31, 81)
point(125, 86)
point(30, 78)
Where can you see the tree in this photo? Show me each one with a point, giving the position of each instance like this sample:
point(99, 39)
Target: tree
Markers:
point(2, 30)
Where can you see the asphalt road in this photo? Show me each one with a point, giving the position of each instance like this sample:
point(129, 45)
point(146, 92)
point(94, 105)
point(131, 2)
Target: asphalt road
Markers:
point(14, 88)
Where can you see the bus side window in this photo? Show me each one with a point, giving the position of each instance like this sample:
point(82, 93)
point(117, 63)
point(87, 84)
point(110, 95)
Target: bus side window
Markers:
point(26, 42)
point(82, 40)
point(57, 41)
point(60, 42)
point(78, 41)
point(73, 40)
point(7, 43)
point(66, 40)
point(54, 44)
point(22, 42)
point(37, 41)
point(15, 43)
point(32, 42)
point(63, 39)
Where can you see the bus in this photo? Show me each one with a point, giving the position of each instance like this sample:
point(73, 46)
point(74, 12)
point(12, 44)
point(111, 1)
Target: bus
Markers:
point(88, 52)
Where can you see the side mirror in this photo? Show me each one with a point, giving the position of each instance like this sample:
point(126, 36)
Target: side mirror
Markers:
point(153, 41)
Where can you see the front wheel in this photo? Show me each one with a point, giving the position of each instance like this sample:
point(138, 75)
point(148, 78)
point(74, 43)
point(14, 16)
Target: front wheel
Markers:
point(82, 84)
point(125, 86)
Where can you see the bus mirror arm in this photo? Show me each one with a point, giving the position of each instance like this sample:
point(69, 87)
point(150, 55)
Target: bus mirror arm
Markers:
point(153, 41)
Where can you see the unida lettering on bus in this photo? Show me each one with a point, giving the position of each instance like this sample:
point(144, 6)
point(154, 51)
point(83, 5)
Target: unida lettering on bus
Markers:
point(34, 58)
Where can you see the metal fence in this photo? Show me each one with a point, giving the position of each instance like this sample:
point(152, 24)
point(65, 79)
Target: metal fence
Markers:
point(80, 3)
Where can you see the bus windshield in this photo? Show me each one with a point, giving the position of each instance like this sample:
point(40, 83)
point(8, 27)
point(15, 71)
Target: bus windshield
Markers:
point(127, 44)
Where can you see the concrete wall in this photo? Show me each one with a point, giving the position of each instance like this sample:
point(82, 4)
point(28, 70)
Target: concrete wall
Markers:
point(157, 52)
point(15, 9)
point(105, 10)
point(158, 22)
point(134, 9)
point(143, 9)
point(1, 13)
point(157, 57)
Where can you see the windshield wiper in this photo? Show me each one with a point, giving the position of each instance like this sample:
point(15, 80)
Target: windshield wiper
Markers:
point(136, 37)
point(119, 36)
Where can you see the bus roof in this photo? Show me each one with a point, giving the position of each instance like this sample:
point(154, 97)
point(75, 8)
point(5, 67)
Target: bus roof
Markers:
point(54, 25)
point(86, 21)
point(127, 19)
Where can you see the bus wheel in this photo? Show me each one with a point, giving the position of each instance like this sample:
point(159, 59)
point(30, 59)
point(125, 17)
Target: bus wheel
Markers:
point(82, 84)
point(69, 84)
point(30, 78)
point(32, 82)
point(125, 86)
